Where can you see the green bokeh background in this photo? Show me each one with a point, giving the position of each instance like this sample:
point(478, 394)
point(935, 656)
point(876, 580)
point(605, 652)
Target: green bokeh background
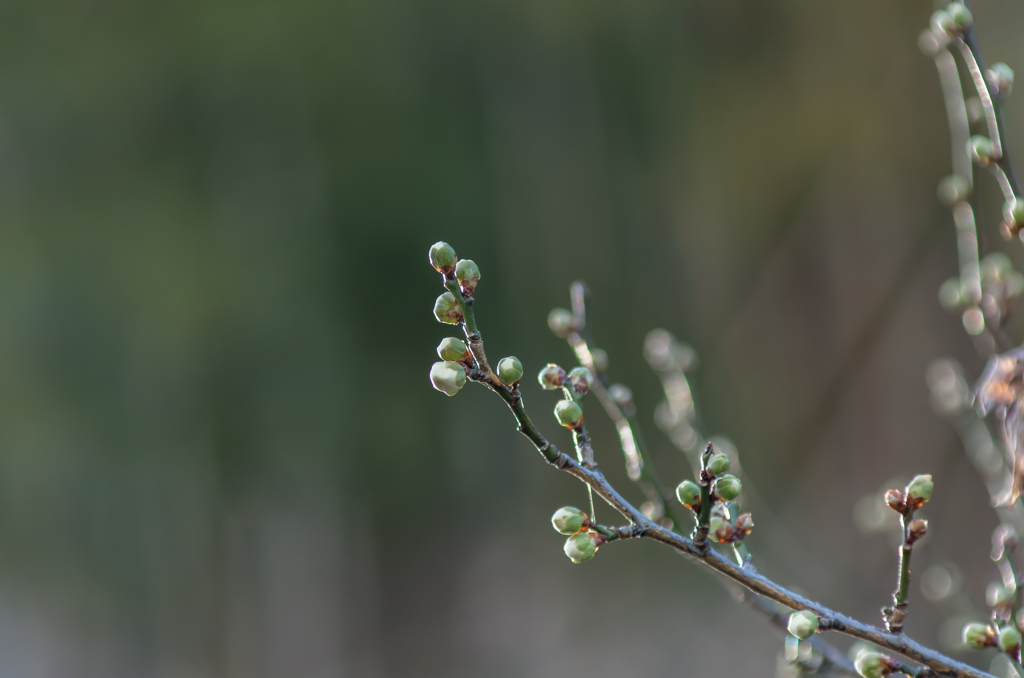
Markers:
point(219, 451)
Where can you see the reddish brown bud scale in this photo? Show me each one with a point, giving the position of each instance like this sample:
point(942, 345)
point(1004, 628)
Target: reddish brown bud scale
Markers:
point(894, 499)
point(917, 529)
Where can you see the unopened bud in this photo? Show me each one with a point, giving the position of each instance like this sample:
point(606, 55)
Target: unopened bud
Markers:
point(582, 547)
point(581, 379)
point(997, 595)
point(894, 499)
point(978, 636)
point(447, 377)
point(1009, 639)
point(568, 413)
point(953, 189)
point(510, 370)
point(447, 310)
point(919, 490)
point(721, 530)
point(561, 322)
point(551, 377)
point(960, 15)
point(1000, 77)
point(803, 624)
point(875, 665)
point(468, 275)
point(942, 23)
point(442, 257)
point(600, 357)
point(453, 350)
point(951, 295)
point(916, 529)
point(727, 487)
point(688, 493)
point(1004, 539)
point(623, 397)
point(569, 520)
point(1013, 213)
point(718, 465)
point(982, 150)
point(744, 525)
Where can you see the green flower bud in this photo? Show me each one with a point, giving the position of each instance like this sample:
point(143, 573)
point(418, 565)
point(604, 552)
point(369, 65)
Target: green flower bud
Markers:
point(447, 310)
point(803, 624)
point(581, 379)
point(569, 520)
point(688, 493)
point(1013, 212)
point(919, 490)
point(720, 529)
point(1009, 639)
point(510, 370)
point(452, 349)
point(442, 257)
point(1000, 76)
point(551, 377)
point(960, 15)
point(727, 487)
point(561, 322)
point(568, 413)
point(942, 23)
point(447, 377)
point(953, 189)
point(874, 665)
point(581, 547)
point(468, 275)
point(718, 465)
point(600, 357)
point(978, 636)
point(950, 295)
point(982, 150)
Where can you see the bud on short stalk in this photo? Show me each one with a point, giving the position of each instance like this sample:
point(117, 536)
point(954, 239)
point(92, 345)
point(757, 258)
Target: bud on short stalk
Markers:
point(569, 520)
point(718, 465)
point(919, 491)
point(894, 499)
point(688, 493)
point(447, 310)
point(1009, 640)
point(453, 350)
point(468, 275)
point(582, 547)
point(1013, 213)
point(942, 23)
point(551, 377)
point(803, 624)
point(917, 529)
point(982, 150)
point(447, 377)
point(568, 413)
point(561, 322)
point(1000, 77)
point(581, 379)
point(875, 665)
point(721, 530)
point(979, 636)
point(510, 370)
point(727, 487)
point(744, 525)
point(960, 15)
point(442, 257)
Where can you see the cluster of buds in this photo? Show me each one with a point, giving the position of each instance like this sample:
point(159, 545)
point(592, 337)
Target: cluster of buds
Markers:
point(876, 665)
point(723, 488)
point(449, 375)
point(952, 21)
point(913, 497)
point(576, 383)
point(582, 543)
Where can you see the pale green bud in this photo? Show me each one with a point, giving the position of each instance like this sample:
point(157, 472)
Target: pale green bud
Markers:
point(581, 379)
point(442, 257)
point(600, 357)
point(997, 595)
point(452, 349)
point(569, 520)
point(942, 23)
point(727, 487)
point(950, 294)
point(1013, 212)
point(1000, 76)
point(447, 310)
point(551, 377)
point(447, 377)
point(960, 15)
point(581, 547)
point(803, 624)
point(718, 465)
point(919, 490)
point(510, 370)
point(982, 150)
point(561, 322)
point(874, 665)
point(978, 636)
point(953, 189)
point(568, 413)
point(468, 275)
point(688, 493)
point(1009, 639)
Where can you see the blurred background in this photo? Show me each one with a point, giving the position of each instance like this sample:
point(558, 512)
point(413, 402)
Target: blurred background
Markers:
point(220, 455)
